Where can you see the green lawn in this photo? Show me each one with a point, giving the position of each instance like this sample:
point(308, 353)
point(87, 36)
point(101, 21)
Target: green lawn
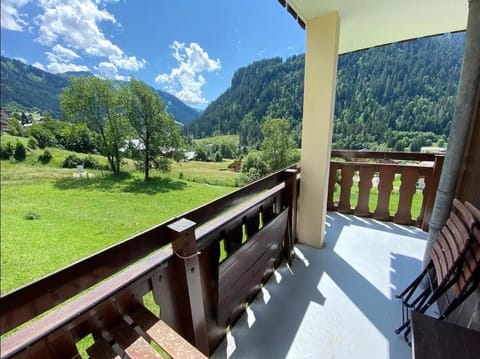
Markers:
point(77, 217)
point(231, 139)
point(214, 173)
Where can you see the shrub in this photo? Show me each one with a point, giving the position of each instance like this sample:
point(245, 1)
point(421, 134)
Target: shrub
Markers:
point(32, 143)
point(91, 162)
point(72, 161)
point(45, 157)
point(20, 152)
point(30, 216)
point(6, 151)
point(15, 127)
point(254, 160)
point(43, 135)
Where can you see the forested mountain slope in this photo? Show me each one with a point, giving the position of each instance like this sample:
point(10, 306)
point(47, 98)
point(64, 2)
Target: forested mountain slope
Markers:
point(24, 87)
point(386, 96)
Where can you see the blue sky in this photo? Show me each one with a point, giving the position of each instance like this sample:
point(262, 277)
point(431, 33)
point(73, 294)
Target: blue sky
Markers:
point(189, 48)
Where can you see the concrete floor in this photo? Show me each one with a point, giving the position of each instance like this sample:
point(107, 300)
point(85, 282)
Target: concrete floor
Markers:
point(336, 302)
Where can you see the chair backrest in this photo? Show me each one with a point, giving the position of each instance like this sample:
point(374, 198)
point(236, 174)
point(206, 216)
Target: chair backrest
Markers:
point(449, 251)
point(471, 266)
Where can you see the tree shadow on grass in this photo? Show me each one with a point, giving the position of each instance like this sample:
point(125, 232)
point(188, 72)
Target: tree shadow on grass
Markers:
point(154, 185)
point(122, 182)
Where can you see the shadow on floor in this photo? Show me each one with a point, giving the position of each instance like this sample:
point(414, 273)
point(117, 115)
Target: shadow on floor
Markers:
point(334, 302)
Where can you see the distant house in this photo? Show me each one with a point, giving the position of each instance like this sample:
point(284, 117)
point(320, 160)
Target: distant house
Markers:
point(235, 166)
point(434, 150)
point(189, 155)
point(133, 143)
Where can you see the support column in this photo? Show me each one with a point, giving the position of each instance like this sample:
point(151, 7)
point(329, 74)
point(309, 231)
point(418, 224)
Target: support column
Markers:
point(318, 109)
point(463, 116)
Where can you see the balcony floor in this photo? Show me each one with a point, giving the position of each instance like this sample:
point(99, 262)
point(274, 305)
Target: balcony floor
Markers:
point(336, 302)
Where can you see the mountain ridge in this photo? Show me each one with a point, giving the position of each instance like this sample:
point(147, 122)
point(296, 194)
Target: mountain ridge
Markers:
point(390, 97)
point(26, 87)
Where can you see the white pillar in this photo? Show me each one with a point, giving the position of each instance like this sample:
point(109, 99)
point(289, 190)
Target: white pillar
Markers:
point(318, 109)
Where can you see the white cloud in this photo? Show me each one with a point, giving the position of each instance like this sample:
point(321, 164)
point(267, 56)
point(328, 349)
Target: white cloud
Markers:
point(38, 65)
point(61, 54)
point(128, 62)
point(76, 24)
point(59, 67)
point(11, 18)
point(185, 81)
point(107, 69)
point(64, 54)
point(21, 59)
point(110, 71)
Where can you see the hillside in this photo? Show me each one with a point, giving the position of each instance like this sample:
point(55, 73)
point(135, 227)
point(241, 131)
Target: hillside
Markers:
point(396, 96)
point(25, 87)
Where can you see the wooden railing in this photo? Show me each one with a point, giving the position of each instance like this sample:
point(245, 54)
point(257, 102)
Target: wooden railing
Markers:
point(380, 169)
point(178, 263)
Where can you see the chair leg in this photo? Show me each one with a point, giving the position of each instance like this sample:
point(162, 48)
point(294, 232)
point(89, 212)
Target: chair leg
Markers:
point(402, 327)
point(411, 288)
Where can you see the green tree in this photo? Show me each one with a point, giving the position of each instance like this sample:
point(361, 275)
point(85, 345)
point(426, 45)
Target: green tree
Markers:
point(158, 135)
point(94, 101)
point(15, 127)
point(254, 165)
point(43, 135)
point(277, 143)
point(20, 152)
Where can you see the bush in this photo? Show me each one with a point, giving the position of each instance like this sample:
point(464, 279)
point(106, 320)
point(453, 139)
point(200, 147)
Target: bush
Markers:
point(20, 152)
point(72, 161)
point(91, 162)
point(30, 216)
point(6, 151)
point(45, 157)
point(254, 160)
point(43, 135)
point(32, 143)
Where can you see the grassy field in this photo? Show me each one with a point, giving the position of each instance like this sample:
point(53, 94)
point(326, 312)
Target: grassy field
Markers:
point(50, 217)
point(213, 173)
point(230, 139)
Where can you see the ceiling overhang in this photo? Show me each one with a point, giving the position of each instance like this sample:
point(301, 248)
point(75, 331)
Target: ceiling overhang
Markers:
point(369, 23)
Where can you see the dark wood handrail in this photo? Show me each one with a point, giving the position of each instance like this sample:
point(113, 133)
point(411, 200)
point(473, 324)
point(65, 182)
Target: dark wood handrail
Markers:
point(73, 310)
point(91, 311)
point(192, 287)
point(57, 287)
point(404, 156)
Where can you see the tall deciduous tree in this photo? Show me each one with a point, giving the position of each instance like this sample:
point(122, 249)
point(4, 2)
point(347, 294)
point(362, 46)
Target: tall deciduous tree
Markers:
point(277, 142)
point(94, 101)
point(158, 135)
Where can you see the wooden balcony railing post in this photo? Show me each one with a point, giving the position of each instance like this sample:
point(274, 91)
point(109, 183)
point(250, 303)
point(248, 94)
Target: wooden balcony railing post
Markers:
point(432, 191)
point(332, 180)
point(188, 270)
point(385, 186)
point(344, 205)
point(407, 190)
point(366, 173)
point(291, 202)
